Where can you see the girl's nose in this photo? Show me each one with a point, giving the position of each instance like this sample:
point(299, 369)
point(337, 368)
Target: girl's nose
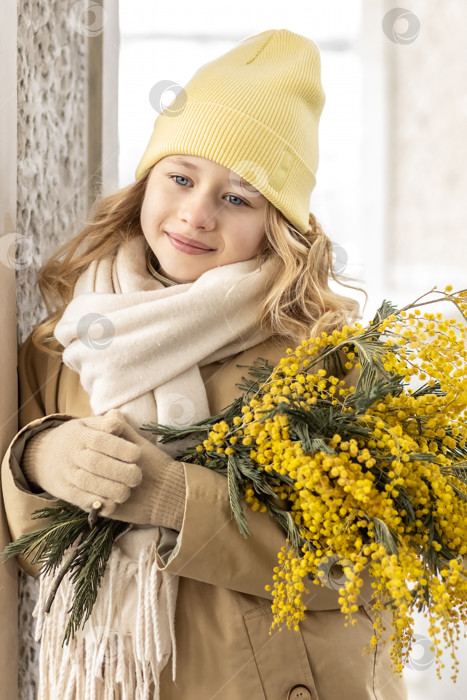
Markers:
point(199, 211)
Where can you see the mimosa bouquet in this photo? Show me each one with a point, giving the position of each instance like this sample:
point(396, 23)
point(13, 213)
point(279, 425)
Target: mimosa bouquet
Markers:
point(374, 473)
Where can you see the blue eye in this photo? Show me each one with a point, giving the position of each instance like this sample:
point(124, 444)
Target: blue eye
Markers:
point(239, 201)
point(181, 178)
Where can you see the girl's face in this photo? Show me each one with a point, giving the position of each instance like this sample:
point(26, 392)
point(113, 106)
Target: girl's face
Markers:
point(197, 214)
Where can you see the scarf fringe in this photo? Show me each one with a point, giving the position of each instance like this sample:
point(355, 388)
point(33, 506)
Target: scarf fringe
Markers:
point(119, 653)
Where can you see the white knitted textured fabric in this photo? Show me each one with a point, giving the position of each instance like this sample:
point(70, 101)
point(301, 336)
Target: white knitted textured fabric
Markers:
point(155, 337)
point(146, 364)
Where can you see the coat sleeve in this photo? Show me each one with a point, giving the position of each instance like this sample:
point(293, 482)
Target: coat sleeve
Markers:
point(211, 549)
point(34, 382)
point(37, 388)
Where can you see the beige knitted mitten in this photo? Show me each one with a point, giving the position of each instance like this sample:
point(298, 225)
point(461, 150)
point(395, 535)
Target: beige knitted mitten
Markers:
point(101, 458)
point(160, 497)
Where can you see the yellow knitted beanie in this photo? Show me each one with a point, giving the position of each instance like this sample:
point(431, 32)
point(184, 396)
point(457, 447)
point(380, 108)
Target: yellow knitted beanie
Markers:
point(254, 110)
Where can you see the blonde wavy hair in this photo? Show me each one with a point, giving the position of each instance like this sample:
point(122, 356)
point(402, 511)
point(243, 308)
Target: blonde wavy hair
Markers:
point(299, 304)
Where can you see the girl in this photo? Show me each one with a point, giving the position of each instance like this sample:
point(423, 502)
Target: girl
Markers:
point(208, 261)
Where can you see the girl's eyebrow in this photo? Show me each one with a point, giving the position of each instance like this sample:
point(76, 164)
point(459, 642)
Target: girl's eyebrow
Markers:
point(187, 164)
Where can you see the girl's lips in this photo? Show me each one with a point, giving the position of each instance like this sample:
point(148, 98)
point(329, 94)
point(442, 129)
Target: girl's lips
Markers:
point(186, 247)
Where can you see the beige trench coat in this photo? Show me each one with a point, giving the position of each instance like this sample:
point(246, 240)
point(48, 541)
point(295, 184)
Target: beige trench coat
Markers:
point(223, 616)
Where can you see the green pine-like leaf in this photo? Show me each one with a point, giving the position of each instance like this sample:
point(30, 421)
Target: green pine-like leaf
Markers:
point(47, 545)
point(233, 481)
point(260, 371)
point(68, 545)
point(386, 309)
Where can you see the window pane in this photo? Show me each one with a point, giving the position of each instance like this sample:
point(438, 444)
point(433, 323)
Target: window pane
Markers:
point(320, 19)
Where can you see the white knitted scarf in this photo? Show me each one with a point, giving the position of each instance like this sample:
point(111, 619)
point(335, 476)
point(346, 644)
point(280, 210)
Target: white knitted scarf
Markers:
point(138, 347)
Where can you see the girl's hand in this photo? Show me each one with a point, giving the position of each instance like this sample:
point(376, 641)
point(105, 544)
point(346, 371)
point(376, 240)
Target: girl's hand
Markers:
point(85, 460)
point(160, 497)
point(102, 458)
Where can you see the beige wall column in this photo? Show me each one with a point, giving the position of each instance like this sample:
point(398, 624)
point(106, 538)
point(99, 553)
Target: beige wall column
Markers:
point(103, 57)
point(374, 233)
point(8, 384)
